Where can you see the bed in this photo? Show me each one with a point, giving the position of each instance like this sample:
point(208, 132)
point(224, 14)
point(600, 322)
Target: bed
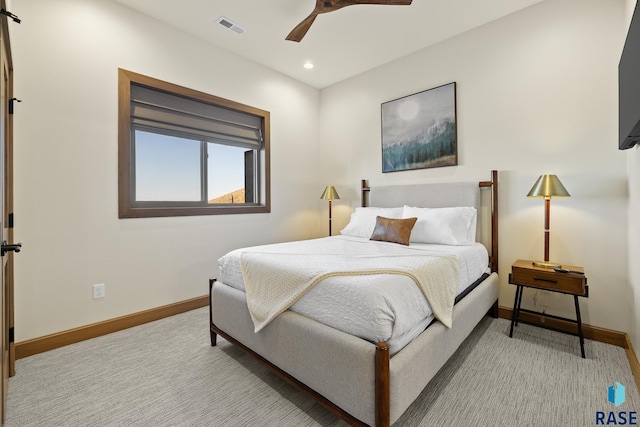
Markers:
point(366, 377)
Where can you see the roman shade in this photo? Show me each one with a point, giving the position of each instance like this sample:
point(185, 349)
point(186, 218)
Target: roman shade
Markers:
point(181, 116)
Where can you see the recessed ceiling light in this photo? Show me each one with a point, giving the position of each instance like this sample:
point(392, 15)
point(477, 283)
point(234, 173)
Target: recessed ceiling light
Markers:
point(308, 65)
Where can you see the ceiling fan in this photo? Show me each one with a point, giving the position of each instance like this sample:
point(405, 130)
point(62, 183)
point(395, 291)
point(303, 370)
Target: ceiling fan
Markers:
point(324, 6)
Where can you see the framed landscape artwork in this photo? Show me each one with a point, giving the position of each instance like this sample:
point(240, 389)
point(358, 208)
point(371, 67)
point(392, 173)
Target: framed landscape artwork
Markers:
point(419, 131)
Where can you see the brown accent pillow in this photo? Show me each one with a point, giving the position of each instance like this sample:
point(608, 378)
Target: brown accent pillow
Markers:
point(393, 230)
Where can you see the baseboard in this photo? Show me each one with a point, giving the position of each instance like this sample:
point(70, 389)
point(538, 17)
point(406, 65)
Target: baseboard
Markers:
point(71, 336)
point(595, 333)
point(607, 336)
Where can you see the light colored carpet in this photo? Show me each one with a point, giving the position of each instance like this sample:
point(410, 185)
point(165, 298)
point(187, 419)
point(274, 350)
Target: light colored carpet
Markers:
point(165, 373)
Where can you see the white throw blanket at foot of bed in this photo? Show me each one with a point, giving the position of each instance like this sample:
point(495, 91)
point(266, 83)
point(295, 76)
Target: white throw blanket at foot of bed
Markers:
point(275, 280)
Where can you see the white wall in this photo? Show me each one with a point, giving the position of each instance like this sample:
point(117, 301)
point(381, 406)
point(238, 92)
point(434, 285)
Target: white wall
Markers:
point(66, 56)
point(536, 93)
point(633, 157)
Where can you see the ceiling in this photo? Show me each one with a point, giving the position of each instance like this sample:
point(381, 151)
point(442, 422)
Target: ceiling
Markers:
point(340, 44)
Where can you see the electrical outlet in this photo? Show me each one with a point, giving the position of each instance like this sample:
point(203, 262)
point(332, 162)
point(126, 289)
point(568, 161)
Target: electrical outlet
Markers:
point(98, 291)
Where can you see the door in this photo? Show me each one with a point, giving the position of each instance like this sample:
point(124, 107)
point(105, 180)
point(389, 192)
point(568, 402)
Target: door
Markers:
point(6, 208)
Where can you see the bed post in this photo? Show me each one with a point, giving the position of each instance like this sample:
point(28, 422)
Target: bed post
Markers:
point(383, 415)
point(493, 185)
point(494, 221)
point(364, 191)
point(214, 336)
point(493, 259)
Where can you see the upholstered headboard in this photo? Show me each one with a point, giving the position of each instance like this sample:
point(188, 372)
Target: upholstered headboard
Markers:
point(443, 195)
point(427, 195)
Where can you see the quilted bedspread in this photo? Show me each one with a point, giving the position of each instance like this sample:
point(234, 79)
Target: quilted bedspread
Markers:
point(277, 276)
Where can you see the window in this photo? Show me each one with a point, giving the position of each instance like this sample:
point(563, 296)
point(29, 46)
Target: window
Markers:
point(183, 152)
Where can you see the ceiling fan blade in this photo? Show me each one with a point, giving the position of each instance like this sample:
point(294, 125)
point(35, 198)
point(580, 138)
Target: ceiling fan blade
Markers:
point(301, 29)
point(324, 6)
point(383, 2)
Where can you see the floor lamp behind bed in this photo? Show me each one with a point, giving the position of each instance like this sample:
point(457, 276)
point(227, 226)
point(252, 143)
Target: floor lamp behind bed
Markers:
point(330, 194)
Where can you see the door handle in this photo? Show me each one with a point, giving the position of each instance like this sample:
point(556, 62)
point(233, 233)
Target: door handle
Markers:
point(4, 248)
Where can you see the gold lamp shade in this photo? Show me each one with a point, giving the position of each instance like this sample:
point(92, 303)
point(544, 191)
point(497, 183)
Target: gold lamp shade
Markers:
point(547, 186)
point(330, 193)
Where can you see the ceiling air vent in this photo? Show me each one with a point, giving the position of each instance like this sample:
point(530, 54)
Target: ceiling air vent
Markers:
point(227, 23)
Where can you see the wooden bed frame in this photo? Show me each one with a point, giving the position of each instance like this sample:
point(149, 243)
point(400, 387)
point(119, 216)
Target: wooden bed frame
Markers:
point(381, 363)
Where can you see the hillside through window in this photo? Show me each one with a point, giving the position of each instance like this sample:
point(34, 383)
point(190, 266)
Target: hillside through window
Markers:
point(182, 152)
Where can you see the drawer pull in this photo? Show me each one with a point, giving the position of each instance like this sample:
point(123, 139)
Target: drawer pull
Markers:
point(542, 279)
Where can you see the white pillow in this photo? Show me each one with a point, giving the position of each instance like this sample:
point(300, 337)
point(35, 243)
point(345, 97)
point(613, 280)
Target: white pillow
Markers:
point(444, 226)
point(363, 220)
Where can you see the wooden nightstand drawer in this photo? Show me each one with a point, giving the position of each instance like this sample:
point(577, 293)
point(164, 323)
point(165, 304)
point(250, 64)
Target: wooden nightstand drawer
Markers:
point(526, 274)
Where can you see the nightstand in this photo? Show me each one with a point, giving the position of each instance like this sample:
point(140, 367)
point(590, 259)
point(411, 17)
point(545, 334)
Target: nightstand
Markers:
point(525, 274)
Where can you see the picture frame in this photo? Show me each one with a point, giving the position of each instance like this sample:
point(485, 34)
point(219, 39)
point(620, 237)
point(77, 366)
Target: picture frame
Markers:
point(419, 131)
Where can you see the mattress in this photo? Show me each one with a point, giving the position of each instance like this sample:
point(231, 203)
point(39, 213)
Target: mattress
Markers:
point(382, 307)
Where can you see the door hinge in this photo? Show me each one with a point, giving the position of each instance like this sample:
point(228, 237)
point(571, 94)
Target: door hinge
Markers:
point(11, 337)
point(10, 220)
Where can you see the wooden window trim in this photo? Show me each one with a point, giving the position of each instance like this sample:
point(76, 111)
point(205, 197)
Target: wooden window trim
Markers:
point(125, 208)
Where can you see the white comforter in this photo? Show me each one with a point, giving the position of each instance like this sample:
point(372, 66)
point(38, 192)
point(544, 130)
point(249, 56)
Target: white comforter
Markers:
point(380, 307)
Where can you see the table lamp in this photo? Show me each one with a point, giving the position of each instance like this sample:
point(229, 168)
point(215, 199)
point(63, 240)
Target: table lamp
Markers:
point(330, 194)
point(547, 186)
